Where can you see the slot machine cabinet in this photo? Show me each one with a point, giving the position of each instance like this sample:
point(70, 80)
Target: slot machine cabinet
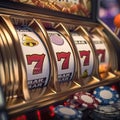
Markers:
point(52, 51)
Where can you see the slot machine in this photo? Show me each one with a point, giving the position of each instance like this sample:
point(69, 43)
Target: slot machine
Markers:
point(58, 61)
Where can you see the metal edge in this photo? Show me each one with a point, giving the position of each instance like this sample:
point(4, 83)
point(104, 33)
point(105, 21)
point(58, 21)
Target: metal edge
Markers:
point(23, 88)
point(2, 67)
point(30, 8)
point(82, 31)
point(14, 62)
point(111, 48)
point(65, 32)
point(98, 32)
point(38, 27)
point(8, 66)
point(62, 96)
point(10, 63)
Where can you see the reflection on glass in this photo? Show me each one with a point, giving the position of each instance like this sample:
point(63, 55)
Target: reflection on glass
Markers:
point(77, 7)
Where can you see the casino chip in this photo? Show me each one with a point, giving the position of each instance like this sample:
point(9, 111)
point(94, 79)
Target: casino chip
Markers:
point(67, 113)
point(107, 111)
point(117, 105)
point(106, 95)
point(86, 99)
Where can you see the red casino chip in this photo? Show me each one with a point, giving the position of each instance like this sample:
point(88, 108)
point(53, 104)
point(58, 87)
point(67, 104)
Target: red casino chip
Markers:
point(86, 99)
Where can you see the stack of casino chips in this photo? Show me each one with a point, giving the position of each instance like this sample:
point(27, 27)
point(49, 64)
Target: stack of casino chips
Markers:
point(117, 104)
point(108, 112)
point(75, 106)
point(103, 104)
point(109, 105)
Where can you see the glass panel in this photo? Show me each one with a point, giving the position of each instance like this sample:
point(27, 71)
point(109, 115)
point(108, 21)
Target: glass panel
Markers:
point(76, 7)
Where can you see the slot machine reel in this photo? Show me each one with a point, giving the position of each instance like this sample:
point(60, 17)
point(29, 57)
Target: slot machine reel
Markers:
point(39, 62)
point(65, 57)
point(39, 28)
point(106, 54)
point(87, 56)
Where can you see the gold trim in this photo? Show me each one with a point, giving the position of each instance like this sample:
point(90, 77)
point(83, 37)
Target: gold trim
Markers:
point(23, 75)
point(101, 34)
point(8, 66)
point(81, 31)
point(46, 101)
point(27, 105)
point(39, 28)
point(2, 66)
point(113, 62)
point(32, 15)
point(112, 56)
point(14, 62)
point(117, 30)
point(64, 31)
point(10, 62)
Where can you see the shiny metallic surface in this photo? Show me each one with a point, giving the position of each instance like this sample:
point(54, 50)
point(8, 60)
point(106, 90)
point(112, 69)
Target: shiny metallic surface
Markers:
point(2, 68)
point(23, 77)
point(8, 65)
point(90, 79)
point(112, 64)
point(64, 31)
point(23, 103)
point(15, 69)
point(38, 27)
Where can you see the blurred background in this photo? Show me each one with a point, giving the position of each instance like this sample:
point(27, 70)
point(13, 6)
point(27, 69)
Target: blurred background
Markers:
point(108, 10)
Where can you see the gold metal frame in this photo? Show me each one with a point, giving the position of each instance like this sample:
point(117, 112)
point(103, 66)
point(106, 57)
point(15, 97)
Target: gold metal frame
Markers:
point(23, 88)
point(20, 106)
point(2, 65)
point(8, 65)
point(15, 66)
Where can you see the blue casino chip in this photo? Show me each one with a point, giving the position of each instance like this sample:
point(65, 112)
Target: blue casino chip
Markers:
point(106, 95)
point(66, 113)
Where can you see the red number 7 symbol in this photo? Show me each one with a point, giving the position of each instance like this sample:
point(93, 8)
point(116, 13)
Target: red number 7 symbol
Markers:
point(101, 55)
point(36, 58)
point(66, 57)
point(86, 56)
